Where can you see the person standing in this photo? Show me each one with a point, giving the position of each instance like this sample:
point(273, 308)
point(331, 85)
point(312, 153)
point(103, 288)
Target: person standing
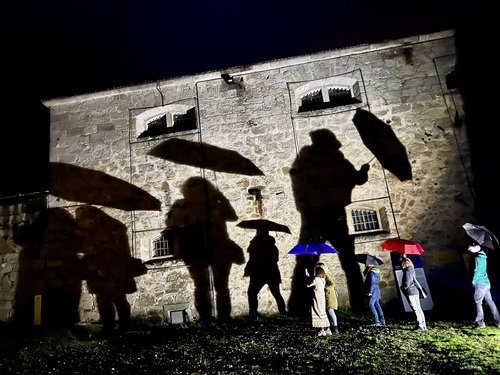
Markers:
point(318, 308)
point(482, 287)
point(371, 275)
point(410, 288)
point(331, 297)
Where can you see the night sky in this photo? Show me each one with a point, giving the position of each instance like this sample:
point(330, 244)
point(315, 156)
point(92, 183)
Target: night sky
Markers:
point(64, 48)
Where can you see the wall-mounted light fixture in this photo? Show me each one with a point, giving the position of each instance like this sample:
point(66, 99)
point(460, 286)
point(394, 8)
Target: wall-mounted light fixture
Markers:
point(227, 78)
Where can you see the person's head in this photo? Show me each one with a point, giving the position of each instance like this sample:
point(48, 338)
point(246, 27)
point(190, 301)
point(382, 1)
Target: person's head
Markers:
point(319, 271)
point(474, 248)
point(322, 265)
point(405, 262)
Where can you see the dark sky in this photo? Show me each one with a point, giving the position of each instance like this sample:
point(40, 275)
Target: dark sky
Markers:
point(67, 47)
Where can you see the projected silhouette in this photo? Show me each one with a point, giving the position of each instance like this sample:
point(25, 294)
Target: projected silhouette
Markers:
point(110, 267)
point(49, 266)
point(322, 182)
point(262, 268)
point(199, 219)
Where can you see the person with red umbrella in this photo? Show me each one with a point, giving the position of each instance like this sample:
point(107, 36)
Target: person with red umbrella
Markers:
point(410, 287)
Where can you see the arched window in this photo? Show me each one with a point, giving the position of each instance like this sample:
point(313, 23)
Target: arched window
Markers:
point(168, 119)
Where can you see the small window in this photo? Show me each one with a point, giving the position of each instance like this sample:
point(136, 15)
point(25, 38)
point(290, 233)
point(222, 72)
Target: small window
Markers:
point(166, 120)
point(329, 97)
point(331, 93)
point(365, 219)
point(163, 245)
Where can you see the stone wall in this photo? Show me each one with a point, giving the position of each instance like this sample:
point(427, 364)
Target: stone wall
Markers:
point(402, 83)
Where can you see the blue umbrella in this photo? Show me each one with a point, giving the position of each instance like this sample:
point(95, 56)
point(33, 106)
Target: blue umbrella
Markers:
point(312, 248)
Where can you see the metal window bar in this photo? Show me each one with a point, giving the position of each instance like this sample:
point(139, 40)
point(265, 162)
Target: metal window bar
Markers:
point(312, 97)
point(364, 220)
point(163, 246)
point(179, 119)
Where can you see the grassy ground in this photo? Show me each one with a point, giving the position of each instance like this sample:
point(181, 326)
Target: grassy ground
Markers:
point(269, 344)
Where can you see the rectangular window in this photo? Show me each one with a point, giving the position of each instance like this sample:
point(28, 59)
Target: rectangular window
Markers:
point(163, 245)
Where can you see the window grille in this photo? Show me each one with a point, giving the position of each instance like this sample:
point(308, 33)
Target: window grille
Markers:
point(170, 123)
point(364, 220)
point(329, 98)
point(163, 245)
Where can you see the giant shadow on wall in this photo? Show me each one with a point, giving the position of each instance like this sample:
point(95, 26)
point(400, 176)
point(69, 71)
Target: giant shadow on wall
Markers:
point(199, 223)
point(322, 183)
point(380, 139)
point(90, 186)
point(204, 155)
point(109, 266)
point(50, 266)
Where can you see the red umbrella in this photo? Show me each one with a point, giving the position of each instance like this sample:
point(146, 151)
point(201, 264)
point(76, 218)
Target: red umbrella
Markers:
point(402, 246)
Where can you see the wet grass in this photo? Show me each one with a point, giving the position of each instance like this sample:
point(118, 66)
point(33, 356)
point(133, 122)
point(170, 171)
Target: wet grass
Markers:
point(269, 344)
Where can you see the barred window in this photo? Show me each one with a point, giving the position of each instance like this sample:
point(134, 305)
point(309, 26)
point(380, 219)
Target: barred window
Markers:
point(163, 245)
point(364, 220)
point(170, 122)
point(329, 97)
point(329, 93)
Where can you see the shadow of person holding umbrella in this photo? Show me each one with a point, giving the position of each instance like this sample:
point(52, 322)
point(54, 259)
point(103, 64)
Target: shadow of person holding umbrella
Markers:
point(199, 220)
point(50, 266)
point(110, 266)
point(322, 182)
point(262, 268)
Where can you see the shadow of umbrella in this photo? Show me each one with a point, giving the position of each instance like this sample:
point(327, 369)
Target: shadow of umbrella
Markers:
point(380, 139)
point(264, 224)
point(84, 185)
point(204, 155)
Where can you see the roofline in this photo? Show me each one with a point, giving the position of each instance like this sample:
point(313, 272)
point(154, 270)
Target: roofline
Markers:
point(261, 66)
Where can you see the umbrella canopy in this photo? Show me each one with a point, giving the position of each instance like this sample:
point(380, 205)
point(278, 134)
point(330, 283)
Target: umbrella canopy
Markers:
point(402, 246)
point(84, 185)
point(204, 155)
point(482, 235)
point(264, 224)
point(381, 140)
point(368, 260)
point(312, 248)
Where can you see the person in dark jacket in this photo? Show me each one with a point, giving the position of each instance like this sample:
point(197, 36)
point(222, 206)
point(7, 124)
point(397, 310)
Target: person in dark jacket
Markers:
point(482, 287)
point(410, 288)
point(371, 275)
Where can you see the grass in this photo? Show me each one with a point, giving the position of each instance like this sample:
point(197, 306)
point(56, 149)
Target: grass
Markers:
point(268, 344)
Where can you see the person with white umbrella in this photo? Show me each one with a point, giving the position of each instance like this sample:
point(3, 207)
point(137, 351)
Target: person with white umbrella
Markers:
point(482, 287)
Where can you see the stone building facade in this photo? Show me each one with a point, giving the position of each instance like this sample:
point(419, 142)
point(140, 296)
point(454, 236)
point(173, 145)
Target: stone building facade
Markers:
point(146, 172)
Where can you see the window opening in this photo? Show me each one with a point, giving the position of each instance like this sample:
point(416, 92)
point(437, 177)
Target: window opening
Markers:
point(330, 97)
point(170, 122)
point(364, 220)
point(163, 245)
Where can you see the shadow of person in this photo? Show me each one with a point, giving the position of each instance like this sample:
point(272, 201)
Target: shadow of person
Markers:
point(322, 183)
point(262, 268)
point(204, 244)
point(50, 266)
point(110, 268)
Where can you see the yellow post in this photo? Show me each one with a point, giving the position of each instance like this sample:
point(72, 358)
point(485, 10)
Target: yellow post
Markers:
point(38, 309)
